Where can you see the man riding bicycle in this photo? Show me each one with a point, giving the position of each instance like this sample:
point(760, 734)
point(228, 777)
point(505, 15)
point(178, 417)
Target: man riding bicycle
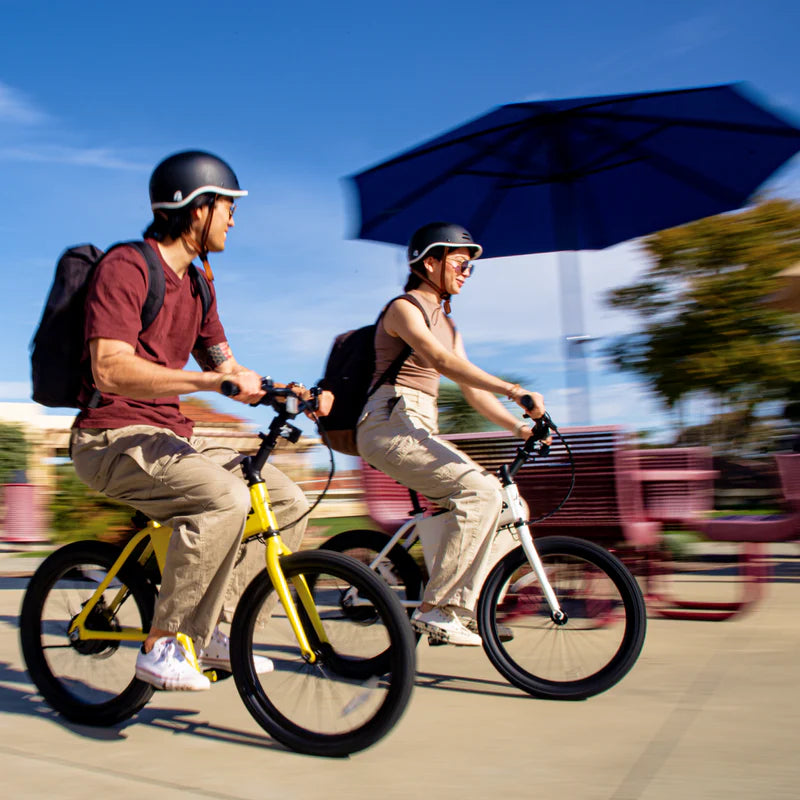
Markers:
point(132, 443)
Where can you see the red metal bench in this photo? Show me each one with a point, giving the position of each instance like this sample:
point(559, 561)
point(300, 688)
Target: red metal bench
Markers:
point(605, 504)
point(677, 483)
point(751, 534)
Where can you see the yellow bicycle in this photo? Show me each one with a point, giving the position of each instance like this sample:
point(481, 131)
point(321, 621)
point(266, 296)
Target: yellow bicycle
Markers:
point(340, 682)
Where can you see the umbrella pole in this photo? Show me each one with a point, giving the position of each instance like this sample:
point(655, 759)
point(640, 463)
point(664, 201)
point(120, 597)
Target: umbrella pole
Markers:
point(573, 338)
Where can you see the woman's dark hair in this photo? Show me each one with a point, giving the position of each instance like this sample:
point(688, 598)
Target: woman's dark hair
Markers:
point(414, 280)
point(168, 224)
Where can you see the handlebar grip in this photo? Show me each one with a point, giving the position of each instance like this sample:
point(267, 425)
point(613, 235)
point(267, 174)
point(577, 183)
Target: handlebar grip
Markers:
point(526, 401)
point(229, 389)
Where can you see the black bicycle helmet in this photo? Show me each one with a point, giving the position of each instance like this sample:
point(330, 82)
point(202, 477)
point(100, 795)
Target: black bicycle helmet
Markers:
point(178, 179)
point(440, 234)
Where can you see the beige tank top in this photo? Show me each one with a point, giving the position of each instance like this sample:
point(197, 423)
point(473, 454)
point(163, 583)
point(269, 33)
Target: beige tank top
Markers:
point(415, 373)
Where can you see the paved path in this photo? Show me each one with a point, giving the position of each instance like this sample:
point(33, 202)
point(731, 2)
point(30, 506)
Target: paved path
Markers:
point(712, 710)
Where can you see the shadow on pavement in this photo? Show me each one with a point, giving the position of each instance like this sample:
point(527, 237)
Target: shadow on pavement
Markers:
point(25, 701)
point(466, 685)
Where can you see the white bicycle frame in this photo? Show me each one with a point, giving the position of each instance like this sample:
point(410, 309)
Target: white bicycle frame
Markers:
point(512, 517)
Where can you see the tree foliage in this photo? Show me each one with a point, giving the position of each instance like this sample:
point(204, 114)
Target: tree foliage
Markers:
point(14, 451)
point(706, 327)
point(456, 415)
point(78, 512)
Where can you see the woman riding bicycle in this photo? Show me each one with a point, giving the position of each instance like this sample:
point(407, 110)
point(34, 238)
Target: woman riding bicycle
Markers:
point(397, 431)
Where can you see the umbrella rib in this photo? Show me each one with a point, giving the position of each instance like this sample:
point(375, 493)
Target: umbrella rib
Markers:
point(674, 169)
point(440, 144)
point(424, 189)
point(489, 206)
point(782, 130)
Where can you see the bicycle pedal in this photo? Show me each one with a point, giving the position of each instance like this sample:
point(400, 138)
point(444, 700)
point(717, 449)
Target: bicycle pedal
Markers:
point(435, 641)
point(211, 674)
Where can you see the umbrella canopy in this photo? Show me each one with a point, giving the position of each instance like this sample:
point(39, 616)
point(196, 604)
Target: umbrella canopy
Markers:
point(580, 174)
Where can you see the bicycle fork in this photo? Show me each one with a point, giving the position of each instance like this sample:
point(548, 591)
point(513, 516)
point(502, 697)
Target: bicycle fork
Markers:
point(522, 531)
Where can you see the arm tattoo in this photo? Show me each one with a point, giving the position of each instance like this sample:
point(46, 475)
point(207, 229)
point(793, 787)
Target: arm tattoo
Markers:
point(211, 357)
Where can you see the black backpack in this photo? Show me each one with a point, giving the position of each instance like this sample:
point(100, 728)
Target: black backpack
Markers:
point(57, 346)
point(348, 373)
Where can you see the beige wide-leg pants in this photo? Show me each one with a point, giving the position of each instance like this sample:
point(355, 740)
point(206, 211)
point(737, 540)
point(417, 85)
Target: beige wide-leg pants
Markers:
point(397, 435)
point(195, 487)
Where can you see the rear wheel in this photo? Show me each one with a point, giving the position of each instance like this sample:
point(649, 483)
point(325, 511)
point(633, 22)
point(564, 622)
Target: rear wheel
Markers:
point(397, 568)
point(361, 681)
point(586, 653)
point(90, 681)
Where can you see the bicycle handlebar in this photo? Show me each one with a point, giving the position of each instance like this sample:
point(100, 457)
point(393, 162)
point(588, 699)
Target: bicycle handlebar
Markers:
point(281, 398)
point(541, 426)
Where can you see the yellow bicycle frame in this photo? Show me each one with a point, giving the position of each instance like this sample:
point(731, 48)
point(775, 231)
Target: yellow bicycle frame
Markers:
point(260, 522)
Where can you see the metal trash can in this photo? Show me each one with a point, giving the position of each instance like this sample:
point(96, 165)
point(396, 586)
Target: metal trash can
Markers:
point(21, 517)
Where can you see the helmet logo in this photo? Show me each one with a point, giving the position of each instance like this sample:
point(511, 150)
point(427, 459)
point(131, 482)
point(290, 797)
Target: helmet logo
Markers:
point(178, 196)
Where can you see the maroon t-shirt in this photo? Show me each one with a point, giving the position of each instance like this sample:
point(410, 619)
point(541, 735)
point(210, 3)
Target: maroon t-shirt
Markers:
point(114, 311)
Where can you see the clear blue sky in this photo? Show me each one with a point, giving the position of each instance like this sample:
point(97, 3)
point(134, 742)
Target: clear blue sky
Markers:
point(298, 95)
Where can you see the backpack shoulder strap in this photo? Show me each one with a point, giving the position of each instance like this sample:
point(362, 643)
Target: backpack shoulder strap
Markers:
point(203, 289)
point(411, 299)
point(156, 284)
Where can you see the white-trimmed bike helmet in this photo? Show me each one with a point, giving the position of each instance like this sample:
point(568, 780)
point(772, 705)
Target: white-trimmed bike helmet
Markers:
point(179, 178)
point(440, 234)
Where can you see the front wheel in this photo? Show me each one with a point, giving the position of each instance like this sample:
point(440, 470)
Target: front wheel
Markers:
point(588, 651)
point(90, 681)
point(361, 679)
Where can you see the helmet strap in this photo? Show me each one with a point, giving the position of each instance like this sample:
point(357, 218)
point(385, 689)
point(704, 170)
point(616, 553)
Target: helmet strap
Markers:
point(201, 247)
point(444, 297)
point(442, 293)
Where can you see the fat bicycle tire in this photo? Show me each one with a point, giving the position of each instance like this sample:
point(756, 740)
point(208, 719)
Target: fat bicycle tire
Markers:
point(91, 682)
point(406, 577)
point(597, 645)
point(291, 701)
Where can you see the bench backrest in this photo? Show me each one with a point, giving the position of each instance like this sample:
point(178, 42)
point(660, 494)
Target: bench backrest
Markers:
point(678, 500)
point(597, 501)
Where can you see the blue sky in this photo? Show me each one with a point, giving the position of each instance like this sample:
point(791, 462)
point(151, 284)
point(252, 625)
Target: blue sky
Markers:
point(298, 96)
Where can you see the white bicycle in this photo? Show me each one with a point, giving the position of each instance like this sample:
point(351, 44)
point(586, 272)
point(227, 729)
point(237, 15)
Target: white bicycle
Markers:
point(560, 619)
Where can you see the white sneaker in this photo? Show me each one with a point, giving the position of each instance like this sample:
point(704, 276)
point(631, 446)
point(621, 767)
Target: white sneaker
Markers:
point(441, 624)
point(217, 655)
point(167, 667)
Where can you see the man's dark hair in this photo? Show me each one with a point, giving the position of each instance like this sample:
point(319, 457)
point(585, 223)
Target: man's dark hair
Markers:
point(168, 224)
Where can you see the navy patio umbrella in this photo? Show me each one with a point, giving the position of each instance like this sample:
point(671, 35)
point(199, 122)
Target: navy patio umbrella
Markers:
point(580, 174)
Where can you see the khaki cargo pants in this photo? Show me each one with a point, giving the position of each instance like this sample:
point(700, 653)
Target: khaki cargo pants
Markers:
point(397, 435)
point(195, 487)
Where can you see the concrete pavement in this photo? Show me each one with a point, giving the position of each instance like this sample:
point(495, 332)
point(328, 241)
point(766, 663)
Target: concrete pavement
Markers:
point(711, 710)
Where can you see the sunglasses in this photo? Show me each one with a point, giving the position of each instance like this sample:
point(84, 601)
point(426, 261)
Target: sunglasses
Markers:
point(465, 267)
point(230, 209)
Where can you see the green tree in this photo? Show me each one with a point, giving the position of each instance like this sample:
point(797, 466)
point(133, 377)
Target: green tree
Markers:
point(456, 415)
point(14, 451)
point(78, 512)
point(706, 328)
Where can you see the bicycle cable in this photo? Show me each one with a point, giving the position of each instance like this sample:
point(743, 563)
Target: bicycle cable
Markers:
point(331, 473)
point(566, 497)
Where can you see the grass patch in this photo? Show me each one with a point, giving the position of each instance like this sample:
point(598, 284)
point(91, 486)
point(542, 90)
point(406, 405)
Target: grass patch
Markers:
point(324, 528)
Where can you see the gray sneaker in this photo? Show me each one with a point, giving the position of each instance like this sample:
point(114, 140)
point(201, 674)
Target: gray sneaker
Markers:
point(503, 631)
point(217, 655)
point(166, 666)
point(442, 625)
